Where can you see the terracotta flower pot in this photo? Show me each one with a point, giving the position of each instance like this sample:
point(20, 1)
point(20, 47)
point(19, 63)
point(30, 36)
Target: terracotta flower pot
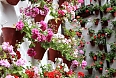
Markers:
point(96, 12)
point(13, 2)
point(39, 18)
point(114, 74)
point(39, 51)
point(54, 25)
point(8, 35)
point(83, 25)
point(105, 23)
point(90, 70)
point(92, 42)
point(101, 46)
point(11, 35)
point(96, 21)
point(52, 54)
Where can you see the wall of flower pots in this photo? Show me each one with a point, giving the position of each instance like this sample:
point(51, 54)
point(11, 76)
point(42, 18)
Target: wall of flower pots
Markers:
point(82, 35)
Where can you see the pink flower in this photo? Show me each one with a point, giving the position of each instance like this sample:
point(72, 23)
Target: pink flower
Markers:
point(75, 63)
point(20, 62)
point(4, 63)
point(43, 37)
point(39, 37)
point(43, 25)
point(50, 35)
point(31, 52)
point(61, 12)
point(34, 33)
point(81, 51)
point(84, 64)
point(9, 76)
point(80, 1)
point(19, 25)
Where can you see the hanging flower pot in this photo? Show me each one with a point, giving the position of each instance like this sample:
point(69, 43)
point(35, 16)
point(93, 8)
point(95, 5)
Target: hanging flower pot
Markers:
point(54, 24)
point(60, 2)
point(101, 46)
point(114, 74)
point(11, 2)
point(90, 70)
point(96, 21)
point(39, 51)
point(92, 42)
point(52, 54)
point(9, 35)
point(39, 18)
point(96, 12)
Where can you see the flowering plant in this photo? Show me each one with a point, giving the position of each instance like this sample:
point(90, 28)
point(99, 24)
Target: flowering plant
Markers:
point(98, 65)
point(11, 65)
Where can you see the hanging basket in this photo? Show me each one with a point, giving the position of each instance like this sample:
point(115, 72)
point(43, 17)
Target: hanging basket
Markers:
point(101, 46)
point(54, 25)
point(11, 2)
point(92, 42)
point(52, 54)
point(39, 51)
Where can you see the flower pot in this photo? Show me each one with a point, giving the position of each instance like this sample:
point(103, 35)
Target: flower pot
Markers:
point(108, 35)
point(90, 70)
point(11, 2)
point(92, 42)
point(101, 46)
point(52, 54)
point(39, 18)
point(96, 22)
point(105, 23)
point(83, 25)
point(60, 2)
point(96, 12)
point(54, 25)
point(9, 35)
point(114, 74)
point(39, 51)
point(112, 60)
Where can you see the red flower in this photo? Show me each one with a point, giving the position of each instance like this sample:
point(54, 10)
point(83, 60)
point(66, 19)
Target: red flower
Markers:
point(95, 37)
point(109, 9)
point(29, 73)
point(81, 74)
point(18, 54)
point(100, 68)
point(15, 76)
point(51, 74)
point(69, 73)
point(87, 11)
point(100, 62)
point(95, 58)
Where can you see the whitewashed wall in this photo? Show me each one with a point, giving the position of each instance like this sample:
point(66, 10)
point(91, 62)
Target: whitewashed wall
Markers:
point(9, 15)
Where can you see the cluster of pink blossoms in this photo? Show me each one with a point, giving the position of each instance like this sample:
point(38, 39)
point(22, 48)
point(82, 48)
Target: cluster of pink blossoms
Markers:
point(33, 11)
point(41, 37)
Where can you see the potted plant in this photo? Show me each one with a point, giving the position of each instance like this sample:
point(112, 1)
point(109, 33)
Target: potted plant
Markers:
point(93, 55)
point(111, 72)
point(99, 66)
point(104, 7)
point(101, 55)
point(79, 32)
point(91, 31)
point(93, 40)
point(112, 10)
point(89, 68)
point(104, 21)
point(114, 23)
point(113, 47)
point(82, 22)
point(110, 56)
point(96, 21)
point(96, 8)
point(108, 31)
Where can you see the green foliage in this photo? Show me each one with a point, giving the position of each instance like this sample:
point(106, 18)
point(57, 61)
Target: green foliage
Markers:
point(113, 23)
point(104, 7)
point(96, 7)
point(110, 55)
point(91, 31)
point(91, 54)
point(108, 30)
